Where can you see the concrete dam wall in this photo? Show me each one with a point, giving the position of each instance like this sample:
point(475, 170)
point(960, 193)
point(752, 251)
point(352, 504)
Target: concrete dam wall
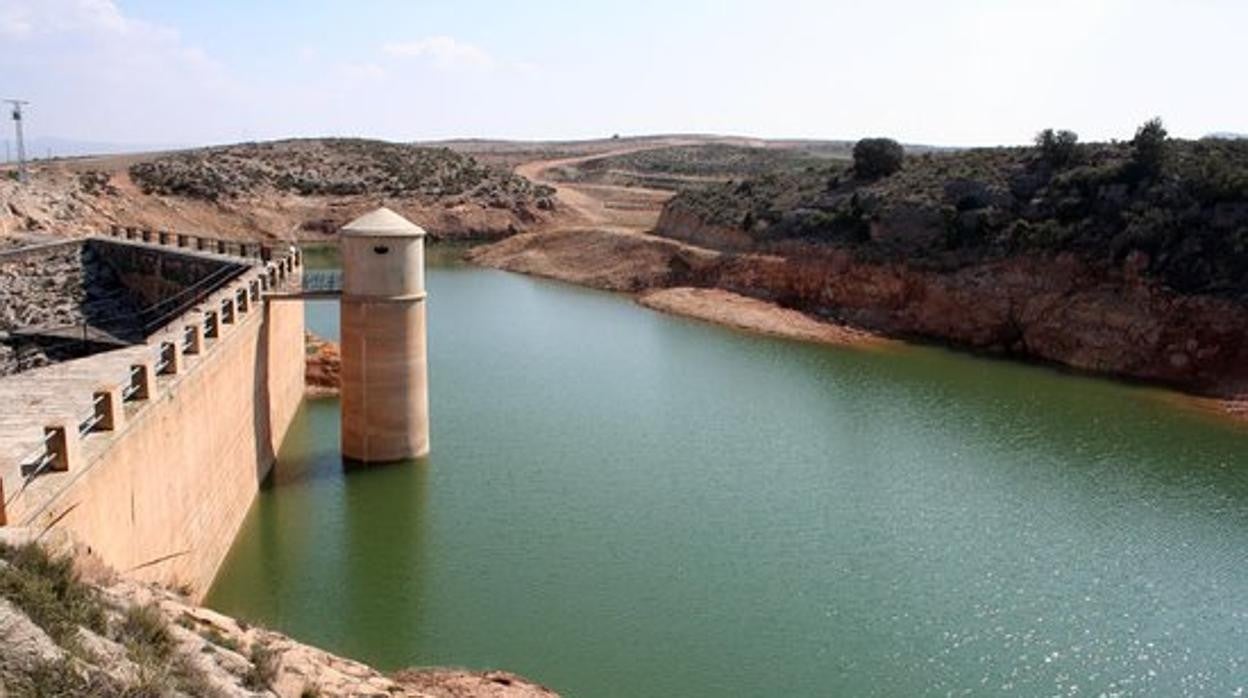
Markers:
point(151, 454)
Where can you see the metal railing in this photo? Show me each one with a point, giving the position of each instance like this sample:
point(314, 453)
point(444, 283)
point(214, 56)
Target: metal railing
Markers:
point(88, 425)
point(322, 280)
point(39, 459)
point(135, 385)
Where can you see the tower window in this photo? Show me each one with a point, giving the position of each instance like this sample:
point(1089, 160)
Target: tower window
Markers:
point(381, 249)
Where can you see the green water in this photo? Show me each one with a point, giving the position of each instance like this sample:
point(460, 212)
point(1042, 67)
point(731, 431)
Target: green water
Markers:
point(621, 503)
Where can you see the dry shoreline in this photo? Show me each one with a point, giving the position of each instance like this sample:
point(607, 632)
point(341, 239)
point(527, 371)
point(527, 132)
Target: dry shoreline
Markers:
point(638, 266)
point(761, 317)
point(729, 309)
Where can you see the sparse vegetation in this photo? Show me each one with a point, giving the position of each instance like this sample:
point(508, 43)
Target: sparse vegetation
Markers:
point(61, 678)
point(215, 637)
point(263, 667)
point(145, 634)
point(1189, 218)
point(47, 590)
point(686, 166)
point(335, 167)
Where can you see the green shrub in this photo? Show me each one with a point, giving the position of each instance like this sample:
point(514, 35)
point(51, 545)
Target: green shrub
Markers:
point(47, 589)
point(1149, 147)
point(877, 157)
point(1058, 148)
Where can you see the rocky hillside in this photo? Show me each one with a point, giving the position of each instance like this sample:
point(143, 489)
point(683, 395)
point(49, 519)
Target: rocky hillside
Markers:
point(1102, 258)
point(293, 188)
point(1185, 225)
point(68, 627)
point(336, 167)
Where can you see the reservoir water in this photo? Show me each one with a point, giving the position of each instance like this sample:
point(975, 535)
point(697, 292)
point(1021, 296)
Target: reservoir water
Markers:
point(621, 503)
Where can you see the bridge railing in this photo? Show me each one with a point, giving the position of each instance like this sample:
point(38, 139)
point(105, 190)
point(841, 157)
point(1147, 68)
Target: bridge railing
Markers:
point(264, 251)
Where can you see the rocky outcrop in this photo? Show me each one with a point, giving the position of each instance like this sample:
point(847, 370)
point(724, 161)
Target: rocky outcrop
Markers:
point(1058, 309)
point(323, 372)
point(1055, 309)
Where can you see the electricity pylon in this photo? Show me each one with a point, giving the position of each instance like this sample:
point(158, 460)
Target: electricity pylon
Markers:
point(21, 146)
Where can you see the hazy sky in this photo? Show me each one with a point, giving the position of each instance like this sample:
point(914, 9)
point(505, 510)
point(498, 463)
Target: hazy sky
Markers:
point(933, 71)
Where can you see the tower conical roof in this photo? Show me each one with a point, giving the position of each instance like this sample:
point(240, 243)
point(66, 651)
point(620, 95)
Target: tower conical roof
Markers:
point(382, 223)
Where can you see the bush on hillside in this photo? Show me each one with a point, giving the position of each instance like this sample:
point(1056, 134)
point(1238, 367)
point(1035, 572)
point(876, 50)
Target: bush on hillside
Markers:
point(1058, 148)
point(877, 157)
point(1149, 147)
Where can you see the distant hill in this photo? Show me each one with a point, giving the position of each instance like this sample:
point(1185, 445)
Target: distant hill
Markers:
point(333, 167)
point(304, 187)
point(1227, 135)
point(41, 147)
point(682, 166)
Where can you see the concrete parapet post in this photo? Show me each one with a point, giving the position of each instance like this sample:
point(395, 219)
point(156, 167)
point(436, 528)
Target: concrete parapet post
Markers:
point(162, 236)
point(242, 300)
point(212, 324)
point(192, 339)
point(253, 287)
point(142, 380)
point(170, 359)
point(201, 244)
point(63, 444)
point(147, 235)
point(115, 230)
point(109, 407)
point(131, 233)
point(221, 247)
point(227, 311)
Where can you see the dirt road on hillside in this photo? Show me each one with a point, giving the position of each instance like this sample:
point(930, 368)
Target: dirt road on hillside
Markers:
point(607, 207)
